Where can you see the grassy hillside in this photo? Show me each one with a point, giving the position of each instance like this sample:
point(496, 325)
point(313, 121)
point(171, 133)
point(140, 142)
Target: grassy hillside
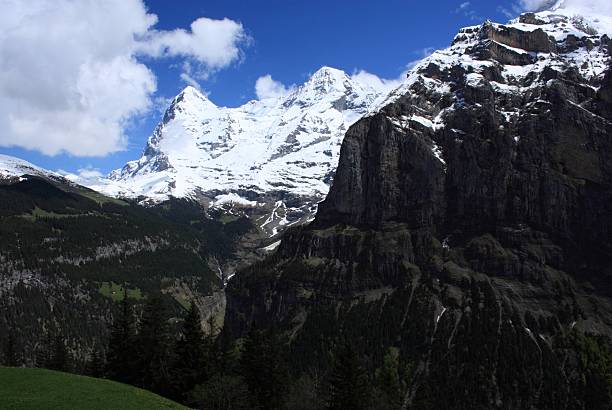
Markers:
point(46, 389)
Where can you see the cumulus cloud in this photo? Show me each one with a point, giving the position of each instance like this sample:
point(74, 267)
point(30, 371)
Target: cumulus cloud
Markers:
point(536, 5)
point(601, 7)
point(266, 87)
point(84, 176)
point(386, 85)
point(70, 75)
point(214, 43)
point(375, 82)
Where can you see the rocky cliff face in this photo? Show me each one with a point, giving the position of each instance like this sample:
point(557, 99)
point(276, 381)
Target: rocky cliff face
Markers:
point(469, 224)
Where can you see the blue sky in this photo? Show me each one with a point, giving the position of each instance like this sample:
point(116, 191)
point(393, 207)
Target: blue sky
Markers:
point(288, 40)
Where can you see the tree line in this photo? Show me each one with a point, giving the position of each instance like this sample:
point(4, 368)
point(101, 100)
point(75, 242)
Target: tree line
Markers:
point(151, 349)
point(208, 371)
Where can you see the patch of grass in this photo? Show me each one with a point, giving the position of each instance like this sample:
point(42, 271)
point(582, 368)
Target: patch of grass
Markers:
point(182, 300)
point(227, 218)
point(41, 213)
point(115, 292)
point(46, 389)
point(100, 198)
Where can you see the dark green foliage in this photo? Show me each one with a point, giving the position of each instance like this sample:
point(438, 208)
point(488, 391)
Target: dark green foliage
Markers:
point(63, 243)
point(264, 368)
point(306, 393)
point(389, 386)
point(96, 364)
point(190, 366)
point(225, 392)
point(11, 357)
point(60, 357)
point(153, 349)
point(217, 238)
point(592, 383)
point(120, 365)
point(349, 385)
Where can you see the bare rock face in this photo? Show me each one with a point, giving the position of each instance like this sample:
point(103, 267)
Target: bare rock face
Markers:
point(535, 41)
point(469, 225)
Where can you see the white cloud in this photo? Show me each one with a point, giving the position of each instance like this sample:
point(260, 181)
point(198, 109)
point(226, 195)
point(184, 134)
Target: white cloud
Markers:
point(466, 9)
point(536, 5)
point(377, 83)
point(70, 78)
point(188, 75)
point(510, 14)
point(424, 52)
point(386, 85)
point(84, 176)
point(213, 43)
point(267, 87)
point(587, 7)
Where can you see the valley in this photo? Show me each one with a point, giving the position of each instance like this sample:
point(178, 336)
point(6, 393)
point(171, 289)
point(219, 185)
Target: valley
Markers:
point(442, 243)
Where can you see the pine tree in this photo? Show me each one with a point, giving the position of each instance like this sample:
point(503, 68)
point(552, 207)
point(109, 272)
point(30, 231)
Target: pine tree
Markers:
point(10, 352)
point(43, 352)
point(190, 364)
point(389, 385)
point(96, 365)
point(265, 370)
point(60, 358)
point(349, 388)
point(120, 356)
point(226, 392)
point(153, 349)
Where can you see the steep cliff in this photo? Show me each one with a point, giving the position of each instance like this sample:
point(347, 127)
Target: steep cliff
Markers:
point(469, 224)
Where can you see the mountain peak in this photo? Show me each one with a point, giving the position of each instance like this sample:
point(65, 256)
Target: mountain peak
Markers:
point(328, 75)
point(191, 90)
point(190, 93)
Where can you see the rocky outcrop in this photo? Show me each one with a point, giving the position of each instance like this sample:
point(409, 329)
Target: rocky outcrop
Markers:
point(468, 225)
point(531, 41)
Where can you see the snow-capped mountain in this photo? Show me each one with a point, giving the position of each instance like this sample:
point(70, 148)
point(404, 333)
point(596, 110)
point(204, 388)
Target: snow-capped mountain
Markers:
point(490, 103)
point(279, 155)
point(12, 167)
point(474, 201)
point(287, 145)
point(514, 57)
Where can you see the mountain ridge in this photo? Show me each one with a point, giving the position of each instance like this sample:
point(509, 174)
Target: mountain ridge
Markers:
point(286, 144)
point(469, 219)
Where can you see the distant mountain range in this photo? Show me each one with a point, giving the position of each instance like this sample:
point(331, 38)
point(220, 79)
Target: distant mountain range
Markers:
point(276, 153)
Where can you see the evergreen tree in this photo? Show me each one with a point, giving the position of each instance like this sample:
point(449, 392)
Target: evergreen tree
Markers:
point(96, 365)
point(389, 385)
point(60, 358)
point(120, 356)
point(43, 352)
point(191, 352)
point(10, 352)
point(154, 348)
point(225, 392)
point(349, 387)
point(305, 393)
point(265, 370)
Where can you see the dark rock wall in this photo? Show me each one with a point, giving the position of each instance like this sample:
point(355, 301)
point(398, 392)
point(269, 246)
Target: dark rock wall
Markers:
point(480, 246)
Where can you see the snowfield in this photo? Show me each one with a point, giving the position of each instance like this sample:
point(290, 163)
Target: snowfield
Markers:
point(289, 144)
